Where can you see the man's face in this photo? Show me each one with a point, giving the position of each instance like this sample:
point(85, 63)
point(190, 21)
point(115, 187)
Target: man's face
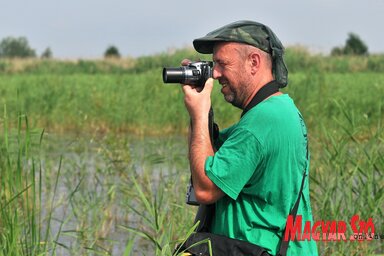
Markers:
point(231, 71)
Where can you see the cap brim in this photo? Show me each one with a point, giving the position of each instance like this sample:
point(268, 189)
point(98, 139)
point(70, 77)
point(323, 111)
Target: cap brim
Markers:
point(205, 44)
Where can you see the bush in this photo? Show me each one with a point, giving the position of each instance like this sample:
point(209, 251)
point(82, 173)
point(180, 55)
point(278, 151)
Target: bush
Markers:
point(353, 46)
point(47, 54)
point(11, 47)
point(112, 52)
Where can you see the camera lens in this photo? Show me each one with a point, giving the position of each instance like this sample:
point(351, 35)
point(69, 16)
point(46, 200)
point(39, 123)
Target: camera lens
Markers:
point(174, 75)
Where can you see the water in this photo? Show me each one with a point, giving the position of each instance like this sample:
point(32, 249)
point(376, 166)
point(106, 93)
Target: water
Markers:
point(94, 193)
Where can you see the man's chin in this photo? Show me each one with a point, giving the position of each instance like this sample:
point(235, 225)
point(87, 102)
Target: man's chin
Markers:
point(228, 98)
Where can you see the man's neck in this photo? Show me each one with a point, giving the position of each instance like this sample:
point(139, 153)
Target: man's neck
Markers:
point(257, 88)
point(266, 91)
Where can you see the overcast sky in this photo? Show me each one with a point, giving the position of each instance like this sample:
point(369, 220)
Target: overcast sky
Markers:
point(85, 28)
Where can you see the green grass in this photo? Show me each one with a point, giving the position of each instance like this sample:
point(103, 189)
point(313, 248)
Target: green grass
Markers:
point(96, 103)
point(142, 104)
point(128, 95)
point(346, 178)
point(96, 187)
point(21, 215)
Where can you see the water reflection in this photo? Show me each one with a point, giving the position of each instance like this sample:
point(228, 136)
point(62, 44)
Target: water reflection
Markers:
point(94, 196)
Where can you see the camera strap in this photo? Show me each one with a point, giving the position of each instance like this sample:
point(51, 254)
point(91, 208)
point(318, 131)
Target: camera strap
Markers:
point(264, 92)
point(205, 213)
point(284, 243)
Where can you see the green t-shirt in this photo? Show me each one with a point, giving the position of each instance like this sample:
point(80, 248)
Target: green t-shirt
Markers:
point(259, 165)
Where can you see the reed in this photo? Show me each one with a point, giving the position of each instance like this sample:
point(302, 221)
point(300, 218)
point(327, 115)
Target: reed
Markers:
point(106, 196)
point(155, 200)
point(133, 103)
point(21, 215)
point(346, 179)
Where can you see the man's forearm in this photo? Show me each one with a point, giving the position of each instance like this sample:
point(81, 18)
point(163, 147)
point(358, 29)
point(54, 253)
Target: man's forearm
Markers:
point(198, 104)
point(200, 147)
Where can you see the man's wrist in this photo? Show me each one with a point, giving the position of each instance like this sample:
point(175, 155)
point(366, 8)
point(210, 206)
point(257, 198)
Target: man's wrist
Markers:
point(199, 120)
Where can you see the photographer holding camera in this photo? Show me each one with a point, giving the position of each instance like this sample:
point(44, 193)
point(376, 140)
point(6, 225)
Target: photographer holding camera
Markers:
point(256, 173)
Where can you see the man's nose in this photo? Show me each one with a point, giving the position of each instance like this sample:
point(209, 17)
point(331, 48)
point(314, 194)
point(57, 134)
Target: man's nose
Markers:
point(216, 73)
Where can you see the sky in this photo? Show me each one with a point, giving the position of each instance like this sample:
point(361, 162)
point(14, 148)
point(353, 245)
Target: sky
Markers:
point(86, 28)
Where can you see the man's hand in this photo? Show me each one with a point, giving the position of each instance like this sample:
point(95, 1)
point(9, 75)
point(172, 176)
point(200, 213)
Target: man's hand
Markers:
point(197, 99)
point(198, 102)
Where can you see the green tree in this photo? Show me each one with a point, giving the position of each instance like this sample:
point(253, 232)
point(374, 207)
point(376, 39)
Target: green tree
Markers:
point(11, 47)
point(337, 51)
point(353, 46)
point(112, 51)
point(47, 54)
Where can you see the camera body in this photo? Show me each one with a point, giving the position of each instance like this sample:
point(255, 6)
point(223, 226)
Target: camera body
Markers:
point(190, 197)
point(195, 73)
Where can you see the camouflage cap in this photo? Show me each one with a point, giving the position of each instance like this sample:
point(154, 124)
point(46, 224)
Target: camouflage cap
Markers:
point(252, 33)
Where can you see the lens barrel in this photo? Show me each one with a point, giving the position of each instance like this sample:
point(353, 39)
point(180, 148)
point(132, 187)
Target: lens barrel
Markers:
point(173, 75)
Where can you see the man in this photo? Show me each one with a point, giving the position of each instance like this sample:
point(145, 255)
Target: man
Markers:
point(254, 172)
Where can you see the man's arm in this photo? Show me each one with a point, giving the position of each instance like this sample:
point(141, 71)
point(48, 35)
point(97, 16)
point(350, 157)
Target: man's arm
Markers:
point(200, 147)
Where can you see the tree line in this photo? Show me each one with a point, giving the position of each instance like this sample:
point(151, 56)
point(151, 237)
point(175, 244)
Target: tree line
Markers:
point(18, 47)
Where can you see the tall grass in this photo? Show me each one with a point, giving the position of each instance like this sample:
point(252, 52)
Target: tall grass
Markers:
point(142, 104)
point(347, 179)
point(21, 217)
point(127, 95)
point(103, 95)
point(155, 199)
point(159, 219)
point(107, 185)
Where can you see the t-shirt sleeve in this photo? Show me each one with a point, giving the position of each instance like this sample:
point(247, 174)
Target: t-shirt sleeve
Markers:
point(235, 162)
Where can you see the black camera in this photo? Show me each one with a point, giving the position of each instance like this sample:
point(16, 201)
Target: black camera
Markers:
point(196, 73)
point(190, 197)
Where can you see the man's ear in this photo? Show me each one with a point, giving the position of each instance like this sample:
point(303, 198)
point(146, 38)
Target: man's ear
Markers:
point(254, 61)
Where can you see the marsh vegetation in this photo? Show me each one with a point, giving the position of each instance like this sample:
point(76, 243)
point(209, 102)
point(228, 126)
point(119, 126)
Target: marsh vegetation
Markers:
point(93, 153)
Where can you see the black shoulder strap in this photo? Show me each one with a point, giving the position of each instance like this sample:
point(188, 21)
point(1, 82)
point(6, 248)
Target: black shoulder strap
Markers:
point(205, 212)
point(293, 213)
point(264, 92)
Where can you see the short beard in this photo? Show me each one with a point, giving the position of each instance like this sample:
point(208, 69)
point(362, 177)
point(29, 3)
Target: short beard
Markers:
point(233, 99)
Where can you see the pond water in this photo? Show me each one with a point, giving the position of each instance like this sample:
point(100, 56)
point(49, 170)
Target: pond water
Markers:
point(94, 196)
